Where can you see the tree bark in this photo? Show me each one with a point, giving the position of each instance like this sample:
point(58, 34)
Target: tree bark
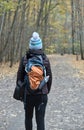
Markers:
point(73, 25)
point(80, 27)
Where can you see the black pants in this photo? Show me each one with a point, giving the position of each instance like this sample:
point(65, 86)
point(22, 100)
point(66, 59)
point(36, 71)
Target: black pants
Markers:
point(39, 103)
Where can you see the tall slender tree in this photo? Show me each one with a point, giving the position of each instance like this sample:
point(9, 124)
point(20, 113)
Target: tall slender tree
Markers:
point(80, 25)
point(73, 25)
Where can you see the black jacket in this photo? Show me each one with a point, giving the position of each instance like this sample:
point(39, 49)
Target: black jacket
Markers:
point(21, 70)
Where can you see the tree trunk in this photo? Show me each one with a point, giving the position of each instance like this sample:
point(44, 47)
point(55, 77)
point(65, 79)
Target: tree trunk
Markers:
point(73, 25)
point(80, 27)
point(40, 14)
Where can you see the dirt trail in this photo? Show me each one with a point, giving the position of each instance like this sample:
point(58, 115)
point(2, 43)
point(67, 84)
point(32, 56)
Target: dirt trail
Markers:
point(65, 109)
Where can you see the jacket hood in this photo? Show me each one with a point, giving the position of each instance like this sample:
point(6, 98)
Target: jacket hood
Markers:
point(30, 52)
point(39, 51)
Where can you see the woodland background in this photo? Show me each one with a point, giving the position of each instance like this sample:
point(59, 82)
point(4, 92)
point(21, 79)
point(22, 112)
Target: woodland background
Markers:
point(60, 24)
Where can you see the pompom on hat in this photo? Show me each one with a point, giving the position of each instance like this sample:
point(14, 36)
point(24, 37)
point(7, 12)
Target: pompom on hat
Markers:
point(35, 42)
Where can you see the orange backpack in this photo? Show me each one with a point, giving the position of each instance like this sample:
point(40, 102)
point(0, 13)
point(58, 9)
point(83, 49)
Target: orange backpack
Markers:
point(35, 73)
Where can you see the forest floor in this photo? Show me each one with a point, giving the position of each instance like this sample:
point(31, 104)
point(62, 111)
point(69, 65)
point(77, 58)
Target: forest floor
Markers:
point(65, 108)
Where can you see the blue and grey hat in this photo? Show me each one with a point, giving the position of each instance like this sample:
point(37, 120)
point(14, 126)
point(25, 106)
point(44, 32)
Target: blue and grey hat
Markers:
point(35, 41)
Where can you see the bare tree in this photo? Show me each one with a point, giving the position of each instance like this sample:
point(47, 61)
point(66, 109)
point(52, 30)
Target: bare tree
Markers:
point(80, 25)
point(40, 13)
point(73, 25)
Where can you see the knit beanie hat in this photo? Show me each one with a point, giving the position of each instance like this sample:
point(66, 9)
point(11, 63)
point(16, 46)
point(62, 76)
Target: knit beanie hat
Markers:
point(35, 41)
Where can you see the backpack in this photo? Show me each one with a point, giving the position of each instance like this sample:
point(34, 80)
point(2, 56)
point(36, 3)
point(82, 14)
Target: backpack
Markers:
point(35, 74)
